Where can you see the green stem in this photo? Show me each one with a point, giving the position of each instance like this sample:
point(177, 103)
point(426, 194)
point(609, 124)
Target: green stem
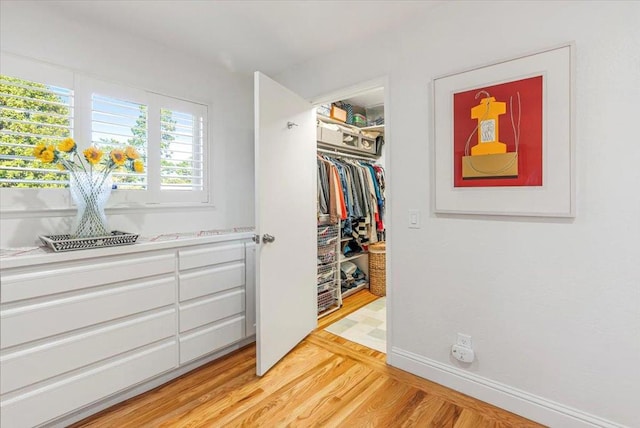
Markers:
point(80, 161)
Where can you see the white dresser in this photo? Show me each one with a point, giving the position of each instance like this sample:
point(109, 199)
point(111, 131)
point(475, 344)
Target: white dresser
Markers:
point(82, 330)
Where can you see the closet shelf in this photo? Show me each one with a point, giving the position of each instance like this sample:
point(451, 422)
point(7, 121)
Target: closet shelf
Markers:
point(355, 256)
point(379, 128)
point(347, 138)
point(355, 289)
point(355, 128)
point(346, 150)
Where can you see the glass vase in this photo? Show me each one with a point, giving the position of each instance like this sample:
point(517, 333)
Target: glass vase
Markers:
point(90, 191)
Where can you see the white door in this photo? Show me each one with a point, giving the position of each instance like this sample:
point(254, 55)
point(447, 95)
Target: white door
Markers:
point(285, 171)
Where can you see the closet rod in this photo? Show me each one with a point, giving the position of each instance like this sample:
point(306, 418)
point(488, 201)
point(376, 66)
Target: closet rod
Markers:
point(336, 154)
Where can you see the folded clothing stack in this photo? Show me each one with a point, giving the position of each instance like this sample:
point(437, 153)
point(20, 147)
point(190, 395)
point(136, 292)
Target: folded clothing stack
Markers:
point(351, 276)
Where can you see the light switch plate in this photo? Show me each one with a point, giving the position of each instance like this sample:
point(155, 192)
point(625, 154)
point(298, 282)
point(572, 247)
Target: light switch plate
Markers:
point(414, 219)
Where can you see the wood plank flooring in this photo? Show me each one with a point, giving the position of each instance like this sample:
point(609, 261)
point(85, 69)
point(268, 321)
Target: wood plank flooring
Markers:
point(325, 381)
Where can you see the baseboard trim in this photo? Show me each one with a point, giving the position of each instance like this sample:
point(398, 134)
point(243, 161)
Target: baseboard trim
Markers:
point(530, 406)
point(143, 387)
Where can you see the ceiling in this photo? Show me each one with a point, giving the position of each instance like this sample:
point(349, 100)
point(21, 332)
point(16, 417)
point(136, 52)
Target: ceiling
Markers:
point(368, 99)
point(247, 35)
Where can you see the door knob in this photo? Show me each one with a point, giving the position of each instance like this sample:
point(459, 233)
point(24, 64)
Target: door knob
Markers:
point(266, 238)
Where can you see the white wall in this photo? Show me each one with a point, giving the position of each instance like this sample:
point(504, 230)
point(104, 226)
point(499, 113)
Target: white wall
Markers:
point(553, 306)
point(29, 29)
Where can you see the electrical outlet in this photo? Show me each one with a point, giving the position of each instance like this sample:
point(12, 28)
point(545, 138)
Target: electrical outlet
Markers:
point(462, 353)
point(464, 340)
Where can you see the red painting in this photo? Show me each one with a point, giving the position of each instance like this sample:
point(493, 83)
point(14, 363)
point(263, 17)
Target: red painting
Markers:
point(527, 123)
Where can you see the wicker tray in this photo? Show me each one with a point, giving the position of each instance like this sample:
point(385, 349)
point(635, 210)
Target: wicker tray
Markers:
point(59, 243)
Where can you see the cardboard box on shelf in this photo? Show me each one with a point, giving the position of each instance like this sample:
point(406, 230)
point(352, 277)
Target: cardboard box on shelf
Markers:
point(338, 114)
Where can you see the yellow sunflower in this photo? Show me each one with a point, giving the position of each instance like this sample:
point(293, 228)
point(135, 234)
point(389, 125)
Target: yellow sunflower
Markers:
point(48, 155)
point(67, 145)
point(118, 157)
point(138, 166)
point(38, 149)
point(131, 153)
point(93, 155)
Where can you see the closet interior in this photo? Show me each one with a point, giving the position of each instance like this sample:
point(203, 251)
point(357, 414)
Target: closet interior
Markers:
point(351, 194)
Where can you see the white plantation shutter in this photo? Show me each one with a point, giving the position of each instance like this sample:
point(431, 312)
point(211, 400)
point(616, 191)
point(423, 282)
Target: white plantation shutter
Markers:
point(45, 103)
point(182, 151)
point(32, 113)
point(116, 124)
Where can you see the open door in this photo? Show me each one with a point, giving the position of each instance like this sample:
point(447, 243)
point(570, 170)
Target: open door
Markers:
point(286, 183)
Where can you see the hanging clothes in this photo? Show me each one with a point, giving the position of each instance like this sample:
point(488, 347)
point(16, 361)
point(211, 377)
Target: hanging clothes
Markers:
point(352, 191)
point(332, 200)
point(381, 182)
point(323, 190)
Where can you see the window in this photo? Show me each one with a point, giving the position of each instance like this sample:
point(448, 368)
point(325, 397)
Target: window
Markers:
point(32, 113)
point(116, 124)
point(181, 148)
point(41, 103)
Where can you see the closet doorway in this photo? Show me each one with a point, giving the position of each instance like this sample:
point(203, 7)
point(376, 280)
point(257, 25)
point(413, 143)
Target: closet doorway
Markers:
point(286, 232)
point(352, 214)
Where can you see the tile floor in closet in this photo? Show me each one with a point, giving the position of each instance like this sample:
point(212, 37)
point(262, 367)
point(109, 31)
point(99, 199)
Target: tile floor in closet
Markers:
point(367, 326)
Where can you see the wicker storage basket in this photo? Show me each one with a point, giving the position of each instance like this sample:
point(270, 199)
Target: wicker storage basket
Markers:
point(377, 268)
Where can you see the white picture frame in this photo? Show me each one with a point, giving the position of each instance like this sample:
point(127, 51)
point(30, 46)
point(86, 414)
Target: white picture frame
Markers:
point(556, 196)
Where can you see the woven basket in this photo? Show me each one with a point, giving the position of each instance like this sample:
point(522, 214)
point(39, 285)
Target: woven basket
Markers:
point(377, 268)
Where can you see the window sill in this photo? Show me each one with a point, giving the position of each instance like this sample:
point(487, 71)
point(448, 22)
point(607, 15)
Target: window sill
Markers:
point(110, 210)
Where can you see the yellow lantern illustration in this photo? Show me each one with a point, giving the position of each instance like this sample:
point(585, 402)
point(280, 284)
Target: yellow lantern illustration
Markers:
point(487, 113)
point(489, 157)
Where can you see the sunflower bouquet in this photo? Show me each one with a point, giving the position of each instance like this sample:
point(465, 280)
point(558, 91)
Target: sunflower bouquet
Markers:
point(66, 156)
point(89, 179)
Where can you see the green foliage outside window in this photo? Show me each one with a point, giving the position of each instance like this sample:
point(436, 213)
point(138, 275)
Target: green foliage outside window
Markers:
point(30, 113)
point(33, 113)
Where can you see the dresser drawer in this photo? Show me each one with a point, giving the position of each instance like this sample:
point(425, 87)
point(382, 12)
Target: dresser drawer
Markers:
point(211, 280)
point(209, 310)
point(210, 339)
point(51, 279)
point(209, 255)
point(38, 363)
point(37, 321)
point(51, 401)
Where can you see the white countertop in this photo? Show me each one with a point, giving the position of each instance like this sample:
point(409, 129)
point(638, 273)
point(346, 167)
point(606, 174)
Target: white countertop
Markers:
point(18, 257)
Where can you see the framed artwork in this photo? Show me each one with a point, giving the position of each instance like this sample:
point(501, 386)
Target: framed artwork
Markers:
point(504, 137)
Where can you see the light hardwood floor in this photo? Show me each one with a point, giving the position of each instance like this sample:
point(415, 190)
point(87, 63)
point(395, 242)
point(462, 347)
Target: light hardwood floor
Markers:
point(326, 381)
